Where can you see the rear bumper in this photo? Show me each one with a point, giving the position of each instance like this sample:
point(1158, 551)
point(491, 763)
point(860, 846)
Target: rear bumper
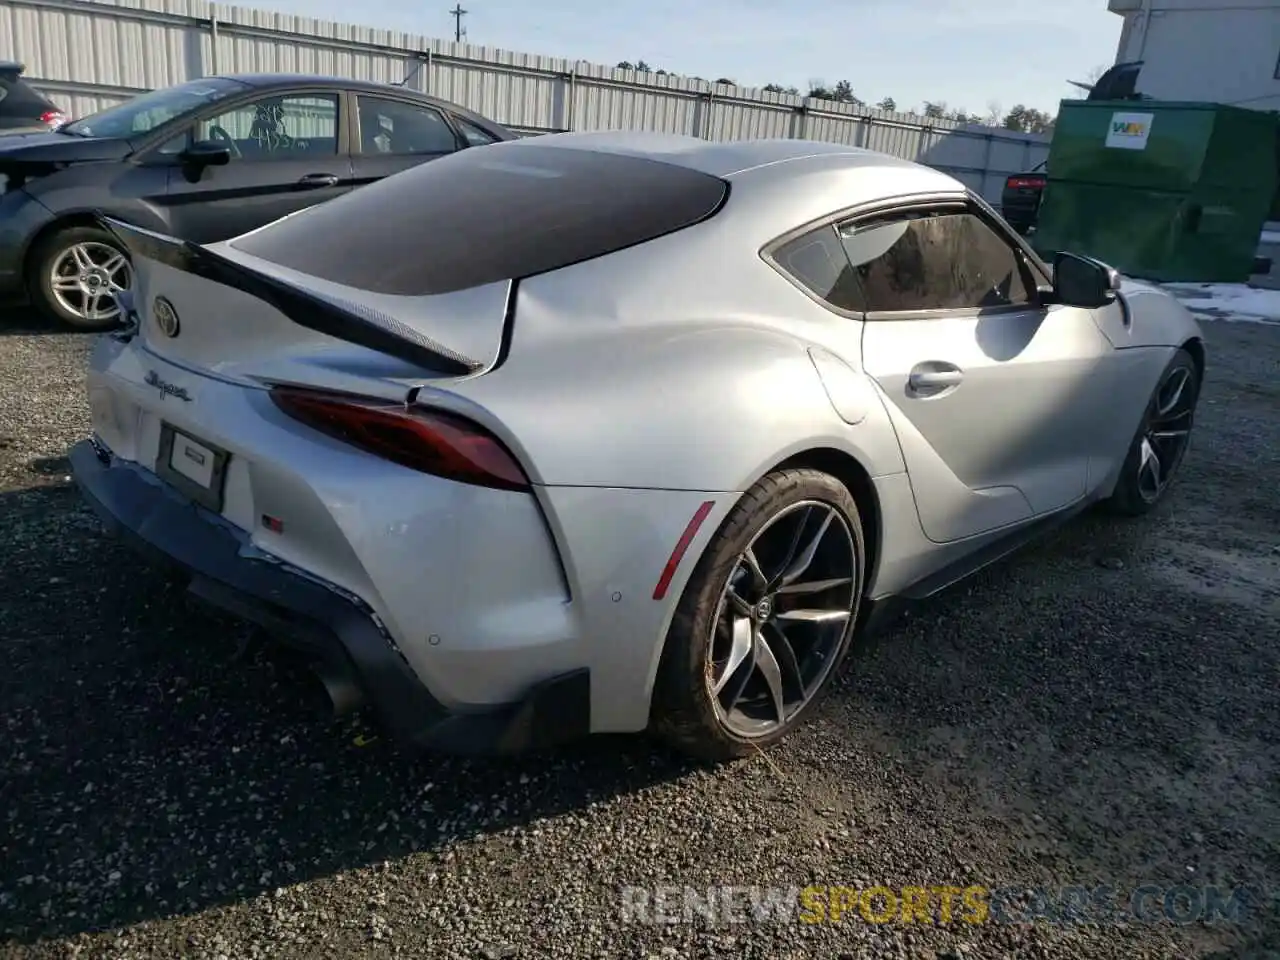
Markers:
point(326, 622)
point(1020, 210)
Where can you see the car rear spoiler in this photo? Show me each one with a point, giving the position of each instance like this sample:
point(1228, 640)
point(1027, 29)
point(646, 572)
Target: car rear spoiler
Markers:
point(351, 322)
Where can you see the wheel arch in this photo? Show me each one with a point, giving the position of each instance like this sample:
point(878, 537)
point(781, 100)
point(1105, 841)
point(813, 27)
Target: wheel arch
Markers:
point(851, 472)
point(1195, 347)
point(68, 220)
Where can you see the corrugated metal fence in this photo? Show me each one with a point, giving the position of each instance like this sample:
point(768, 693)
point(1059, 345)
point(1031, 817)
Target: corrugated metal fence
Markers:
point(91, 53)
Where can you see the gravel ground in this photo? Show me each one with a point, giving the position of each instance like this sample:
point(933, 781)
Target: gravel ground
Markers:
point(1100, 709)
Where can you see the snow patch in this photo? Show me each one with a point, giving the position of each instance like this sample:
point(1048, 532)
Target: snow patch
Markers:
point(1233, 302)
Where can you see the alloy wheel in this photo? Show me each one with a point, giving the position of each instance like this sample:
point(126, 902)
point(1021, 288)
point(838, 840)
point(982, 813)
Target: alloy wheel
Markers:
point(86, 277)
point(782, 618)
point(1167, 432)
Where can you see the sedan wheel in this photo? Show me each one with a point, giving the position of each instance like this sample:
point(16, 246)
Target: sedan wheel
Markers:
point(78, 274)
point(1162, 440)
point(765, 619)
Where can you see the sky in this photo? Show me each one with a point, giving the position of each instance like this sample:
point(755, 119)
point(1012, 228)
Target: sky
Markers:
point(966, 53)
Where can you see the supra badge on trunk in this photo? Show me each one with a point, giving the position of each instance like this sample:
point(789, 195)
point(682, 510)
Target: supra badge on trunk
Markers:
point(166, 388)
point(166, 317)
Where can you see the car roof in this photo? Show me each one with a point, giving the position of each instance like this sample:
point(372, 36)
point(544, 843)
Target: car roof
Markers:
point(733, 158)
point(12, 66)
point(270, 81)
point(777, 184)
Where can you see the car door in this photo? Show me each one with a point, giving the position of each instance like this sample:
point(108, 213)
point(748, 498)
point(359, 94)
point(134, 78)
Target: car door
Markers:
point(288, 152)
point(994, 394)
point(394, 135)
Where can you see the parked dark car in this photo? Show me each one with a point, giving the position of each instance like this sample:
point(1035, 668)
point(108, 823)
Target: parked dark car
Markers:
point(1020, 200)
point(204, 161)
point(22, 106)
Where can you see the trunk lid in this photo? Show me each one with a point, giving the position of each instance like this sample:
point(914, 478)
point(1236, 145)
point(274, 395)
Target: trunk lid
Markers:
point(43, 147)
point(217, 311)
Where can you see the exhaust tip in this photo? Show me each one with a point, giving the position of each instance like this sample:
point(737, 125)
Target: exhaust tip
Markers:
point(345, 696)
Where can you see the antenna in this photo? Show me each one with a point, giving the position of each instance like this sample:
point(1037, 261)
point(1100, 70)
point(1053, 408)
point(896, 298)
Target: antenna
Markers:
point(458, 13)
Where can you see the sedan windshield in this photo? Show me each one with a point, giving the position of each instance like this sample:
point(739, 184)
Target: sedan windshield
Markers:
point(147, 111)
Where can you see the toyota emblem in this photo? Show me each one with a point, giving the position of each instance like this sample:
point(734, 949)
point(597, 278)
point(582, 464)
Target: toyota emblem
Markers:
point(166, 317)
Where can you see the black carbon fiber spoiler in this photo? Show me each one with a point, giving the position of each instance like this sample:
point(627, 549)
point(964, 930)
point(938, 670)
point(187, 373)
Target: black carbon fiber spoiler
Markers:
point(351, 322)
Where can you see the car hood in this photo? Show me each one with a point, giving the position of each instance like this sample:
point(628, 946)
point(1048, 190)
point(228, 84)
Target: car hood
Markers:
point(44, 147)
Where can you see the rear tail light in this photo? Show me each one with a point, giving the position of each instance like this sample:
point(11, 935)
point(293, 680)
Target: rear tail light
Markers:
point(53, 119)
point(1019, 183)
point(431, 441)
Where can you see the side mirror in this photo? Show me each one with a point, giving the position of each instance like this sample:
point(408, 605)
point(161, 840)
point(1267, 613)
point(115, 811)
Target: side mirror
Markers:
point(206, 153)
point(1084, 282)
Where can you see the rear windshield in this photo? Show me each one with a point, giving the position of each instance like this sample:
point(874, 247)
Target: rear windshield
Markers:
point(482, 215)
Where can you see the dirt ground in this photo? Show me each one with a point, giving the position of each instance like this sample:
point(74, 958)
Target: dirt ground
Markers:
point(1100, 709)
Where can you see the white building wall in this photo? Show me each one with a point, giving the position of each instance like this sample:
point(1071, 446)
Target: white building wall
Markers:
point(87, 54)
point(1223, 51)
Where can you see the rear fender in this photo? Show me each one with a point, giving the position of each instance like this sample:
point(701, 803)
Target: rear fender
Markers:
point(705, 406)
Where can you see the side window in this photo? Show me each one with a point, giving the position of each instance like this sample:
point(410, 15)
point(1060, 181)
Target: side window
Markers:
point(289, 127)
point(945, 261)
point(174, 145)
point(397, 128)
point(474, 136)
point(817, 261)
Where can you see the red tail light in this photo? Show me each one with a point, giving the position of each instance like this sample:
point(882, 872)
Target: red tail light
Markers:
point(431, 441)
point(53, 118)
point(1019, 183)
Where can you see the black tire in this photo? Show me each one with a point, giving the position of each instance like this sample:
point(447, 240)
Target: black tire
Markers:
point(683, 711)
point(1130, 497)
point(46, 253)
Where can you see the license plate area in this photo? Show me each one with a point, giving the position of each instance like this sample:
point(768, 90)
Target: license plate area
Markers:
point(196, 468)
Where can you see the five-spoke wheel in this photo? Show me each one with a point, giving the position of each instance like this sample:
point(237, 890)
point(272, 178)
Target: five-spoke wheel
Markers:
point(765, 619)
point(1162, 439)
point(781, 621)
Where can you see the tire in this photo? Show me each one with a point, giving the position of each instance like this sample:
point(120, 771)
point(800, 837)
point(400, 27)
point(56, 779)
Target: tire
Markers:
point(699, 648)
point(1135, 494)
point(52, 253)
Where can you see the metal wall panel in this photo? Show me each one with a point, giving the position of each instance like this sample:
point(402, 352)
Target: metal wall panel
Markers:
point(88, 54)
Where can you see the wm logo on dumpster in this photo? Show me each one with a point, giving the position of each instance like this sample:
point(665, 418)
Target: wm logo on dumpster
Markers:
point(1129, 128)
point(1129, 131)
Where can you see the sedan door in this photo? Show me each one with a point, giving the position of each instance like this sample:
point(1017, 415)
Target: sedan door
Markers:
point(288, 152)
point(394, 135)
point(995, 395)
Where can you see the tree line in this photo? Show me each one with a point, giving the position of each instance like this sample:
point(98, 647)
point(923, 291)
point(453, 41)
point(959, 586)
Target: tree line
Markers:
point(1020, 118)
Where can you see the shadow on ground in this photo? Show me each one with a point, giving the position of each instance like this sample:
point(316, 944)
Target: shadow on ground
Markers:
point(148, 773)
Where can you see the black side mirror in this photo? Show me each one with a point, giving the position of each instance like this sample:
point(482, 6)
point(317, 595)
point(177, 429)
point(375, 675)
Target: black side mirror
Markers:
point(206, 153)
point(1084, 282)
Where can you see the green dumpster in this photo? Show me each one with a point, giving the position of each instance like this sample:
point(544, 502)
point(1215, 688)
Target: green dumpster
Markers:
point(1160, 190)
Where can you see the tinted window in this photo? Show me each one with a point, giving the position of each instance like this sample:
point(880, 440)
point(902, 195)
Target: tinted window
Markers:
point(19, 97)
point(479, 216)
point(147, 111)
point(394, 127)
point(818, 262)
point(277, 128)
point(949, 261)
point(473, 134)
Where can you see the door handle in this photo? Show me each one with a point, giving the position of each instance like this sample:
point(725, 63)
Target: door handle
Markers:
point(318, 180)
point(931, 378)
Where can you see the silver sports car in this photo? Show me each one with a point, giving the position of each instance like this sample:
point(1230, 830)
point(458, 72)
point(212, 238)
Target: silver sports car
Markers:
point(603, 432)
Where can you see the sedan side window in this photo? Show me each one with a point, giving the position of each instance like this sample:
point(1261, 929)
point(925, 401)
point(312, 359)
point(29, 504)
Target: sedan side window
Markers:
point(474, 136)
point(397, 128)
point(933, 261)
point(277, 128)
